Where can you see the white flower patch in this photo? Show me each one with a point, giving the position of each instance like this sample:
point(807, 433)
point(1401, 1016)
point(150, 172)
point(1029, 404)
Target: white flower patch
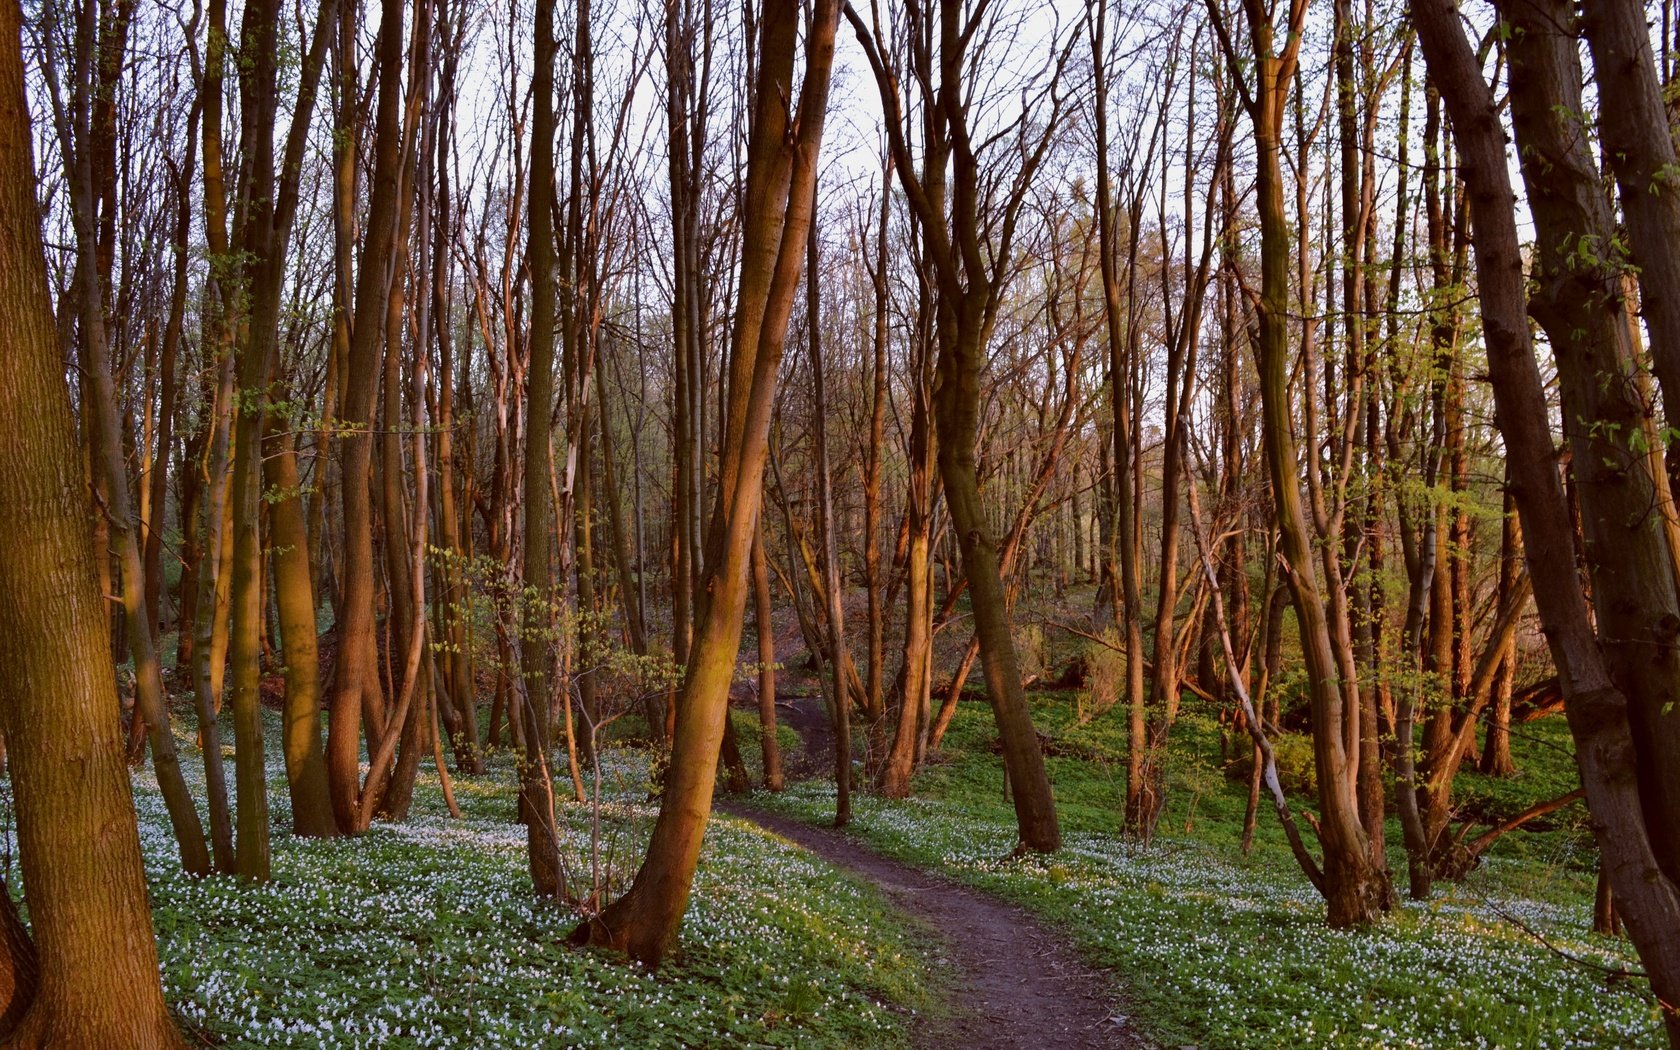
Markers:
point(425, 934)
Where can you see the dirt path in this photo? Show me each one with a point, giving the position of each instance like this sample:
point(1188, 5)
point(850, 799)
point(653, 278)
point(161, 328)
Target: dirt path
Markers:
point(808, 716)
point(1012, 982)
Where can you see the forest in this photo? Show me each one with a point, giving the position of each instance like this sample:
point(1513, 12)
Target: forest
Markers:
point(840, 523)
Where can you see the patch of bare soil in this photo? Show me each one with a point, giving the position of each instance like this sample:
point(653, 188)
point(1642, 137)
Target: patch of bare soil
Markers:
point(1011, 982)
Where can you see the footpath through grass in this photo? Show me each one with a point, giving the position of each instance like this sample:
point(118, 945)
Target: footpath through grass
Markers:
point(425, 934)
point(1221, 952)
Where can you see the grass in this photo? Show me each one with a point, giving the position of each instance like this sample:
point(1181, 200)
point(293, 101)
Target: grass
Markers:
point(1225, 952)
point(425, 934)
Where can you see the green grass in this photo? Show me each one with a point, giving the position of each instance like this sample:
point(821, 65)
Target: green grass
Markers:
point(1221, 951)
point(425, 934)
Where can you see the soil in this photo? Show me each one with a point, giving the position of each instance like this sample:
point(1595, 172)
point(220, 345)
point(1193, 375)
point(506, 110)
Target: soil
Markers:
point(808, 716)
point(1008, 982)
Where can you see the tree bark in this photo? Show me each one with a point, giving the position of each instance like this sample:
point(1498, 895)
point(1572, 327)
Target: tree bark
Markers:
point(781, 175)
point(1597, 708)
point(96, 978)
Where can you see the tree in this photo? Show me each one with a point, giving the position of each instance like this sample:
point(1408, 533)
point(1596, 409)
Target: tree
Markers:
point(95, 962)
point(1598, 709)
point(832, 586)
point(781, 178)
point(971, 279)
point(1353, 886)
point(356, 685)
point(88, 158)
point(536, 786)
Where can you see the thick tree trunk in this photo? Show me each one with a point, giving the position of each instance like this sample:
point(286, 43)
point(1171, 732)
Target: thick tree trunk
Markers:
point(1626, 548)
point(956, 417)
point(268, 203)
point(96, 981)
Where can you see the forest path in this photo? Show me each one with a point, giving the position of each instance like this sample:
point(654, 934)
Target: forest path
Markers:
point(1010, 981)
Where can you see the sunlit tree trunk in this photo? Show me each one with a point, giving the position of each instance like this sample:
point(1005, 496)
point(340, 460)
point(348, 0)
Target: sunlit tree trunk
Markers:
point(306, 767)
point(1353, 888)
point(970, 289)
point(1123, 332)
point(873, 583)
point(356, 677)
point(781, 175)
point(95, 966)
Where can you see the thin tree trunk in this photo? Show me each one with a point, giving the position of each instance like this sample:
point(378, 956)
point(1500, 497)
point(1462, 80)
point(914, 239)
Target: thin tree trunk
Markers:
point(765, 627)
point(536, 786)
point(840, 695)
point(781, 169)
point(1352, 887)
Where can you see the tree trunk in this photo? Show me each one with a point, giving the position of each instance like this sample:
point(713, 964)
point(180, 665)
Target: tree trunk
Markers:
point(100, 404)
point(1626, 548)
point(781, 175)
point(1597, 708)
point(96, 978)
point(357, 695)
point(1352, 886)
point(536, 786)
point(306, 767)
point(764, 626)
point(832, 585)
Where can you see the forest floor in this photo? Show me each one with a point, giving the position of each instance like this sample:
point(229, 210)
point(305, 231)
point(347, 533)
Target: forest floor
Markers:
point(1008, 980)
point(424, 935)
point(914, 927)
point(1223, 951)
